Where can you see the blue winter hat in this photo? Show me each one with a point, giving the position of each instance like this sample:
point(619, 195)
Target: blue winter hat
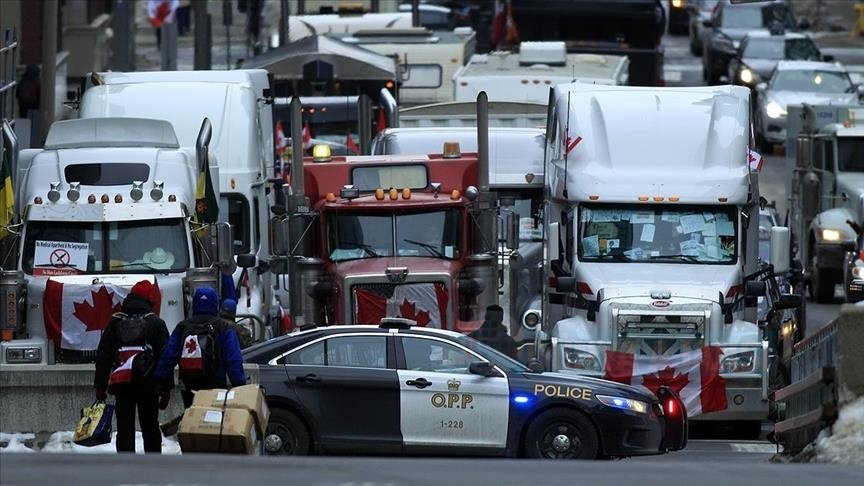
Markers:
point(229, 305)
point(205, 301)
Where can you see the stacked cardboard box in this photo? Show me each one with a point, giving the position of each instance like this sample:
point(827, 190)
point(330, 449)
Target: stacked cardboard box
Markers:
point(230, 421)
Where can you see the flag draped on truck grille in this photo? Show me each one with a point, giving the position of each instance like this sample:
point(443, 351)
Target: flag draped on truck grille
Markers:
point(76, 314)
point(7, 196)
point(425, 303)
point(694, 375)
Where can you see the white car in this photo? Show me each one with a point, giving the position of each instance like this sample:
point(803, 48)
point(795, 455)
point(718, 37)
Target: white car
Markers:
point(796, 82)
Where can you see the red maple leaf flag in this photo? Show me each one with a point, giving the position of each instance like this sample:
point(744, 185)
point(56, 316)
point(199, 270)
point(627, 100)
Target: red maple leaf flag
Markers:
point(76, 314)
point(351, 144)
point(694, 375)
point(409, 311)
point(425, 303)
point(161, 11)
point(191, 357)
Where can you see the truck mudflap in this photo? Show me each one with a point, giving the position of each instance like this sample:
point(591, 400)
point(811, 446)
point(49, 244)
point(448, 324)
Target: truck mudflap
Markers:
point(675, 421)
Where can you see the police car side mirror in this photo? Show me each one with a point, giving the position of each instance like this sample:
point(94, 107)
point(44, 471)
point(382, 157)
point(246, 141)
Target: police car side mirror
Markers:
point(482, 368)
point(535, 365)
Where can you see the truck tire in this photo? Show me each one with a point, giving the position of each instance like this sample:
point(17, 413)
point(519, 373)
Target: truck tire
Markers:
point(286, 434)
point(822, 285)
point(561, 434)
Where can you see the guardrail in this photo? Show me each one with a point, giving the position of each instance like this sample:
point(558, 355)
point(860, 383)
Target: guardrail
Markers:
point(825, 372)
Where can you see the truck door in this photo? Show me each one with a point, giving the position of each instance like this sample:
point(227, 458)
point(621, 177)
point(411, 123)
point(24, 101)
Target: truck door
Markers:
point(347, 386)
point(443, 405)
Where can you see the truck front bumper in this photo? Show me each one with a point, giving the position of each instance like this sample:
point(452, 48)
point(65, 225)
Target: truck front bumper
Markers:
point(742, 403)
point(832, 255)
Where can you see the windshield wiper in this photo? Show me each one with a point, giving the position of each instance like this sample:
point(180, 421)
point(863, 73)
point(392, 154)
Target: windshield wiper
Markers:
point(687, 258)
point(127, 265)
point(426, 246)
point(618, 257)
point(363, 246)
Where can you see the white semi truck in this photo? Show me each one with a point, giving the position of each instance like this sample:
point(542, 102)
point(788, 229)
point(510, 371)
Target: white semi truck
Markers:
point(106, 203)
point(652, 236)
point(238, 103)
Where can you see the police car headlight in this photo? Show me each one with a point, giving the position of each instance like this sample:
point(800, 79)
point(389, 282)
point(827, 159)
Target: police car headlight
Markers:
point(580, 360)
point(774, 110)
point(623, 403)
point(738, 363)
point(530, 319)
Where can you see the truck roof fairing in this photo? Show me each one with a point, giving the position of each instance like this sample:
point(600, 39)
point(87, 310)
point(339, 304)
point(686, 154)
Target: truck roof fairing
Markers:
point(111, 132)
point(691, 143)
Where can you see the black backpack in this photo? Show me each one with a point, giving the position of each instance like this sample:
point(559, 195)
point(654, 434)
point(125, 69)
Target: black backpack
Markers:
point(200, 355)
point(132, 332)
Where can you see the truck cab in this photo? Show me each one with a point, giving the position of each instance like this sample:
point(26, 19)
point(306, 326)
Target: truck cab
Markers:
point(652, 234)
point(826, 184)
point(104, 204)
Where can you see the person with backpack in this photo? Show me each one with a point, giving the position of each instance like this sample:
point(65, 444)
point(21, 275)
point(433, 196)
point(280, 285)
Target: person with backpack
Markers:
point(130, 344)
point(205, 348)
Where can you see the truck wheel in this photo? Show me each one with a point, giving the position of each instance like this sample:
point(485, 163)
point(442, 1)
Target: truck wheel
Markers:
point(286, 435)
point(822, 286)
point(561, 434)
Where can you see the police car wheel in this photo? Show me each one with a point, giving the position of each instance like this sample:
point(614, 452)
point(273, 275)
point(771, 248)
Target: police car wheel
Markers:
point(561, 434)
point(286, 435)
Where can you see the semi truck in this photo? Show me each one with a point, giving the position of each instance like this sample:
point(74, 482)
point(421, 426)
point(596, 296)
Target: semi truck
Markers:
point(239, 105)
point(104, 204)
point(412, 236)
point(653, 236)
point(825, 183)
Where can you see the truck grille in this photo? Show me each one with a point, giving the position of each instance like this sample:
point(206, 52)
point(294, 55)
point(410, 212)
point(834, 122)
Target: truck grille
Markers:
point(424, 302)
point(653, 333)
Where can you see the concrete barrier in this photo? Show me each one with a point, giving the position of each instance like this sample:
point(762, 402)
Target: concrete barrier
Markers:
point(48, 398)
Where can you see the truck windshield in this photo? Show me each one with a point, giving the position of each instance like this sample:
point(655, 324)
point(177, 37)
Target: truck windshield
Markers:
point(657, 233)
point(355, 235)
point(73, 248)
point(850, 154)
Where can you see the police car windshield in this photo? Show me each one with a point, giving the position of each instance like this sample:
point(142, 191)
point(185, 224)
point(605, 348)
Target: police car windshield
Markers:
point(756, 17)
point(812, 81)
point(657, 234)
point(493, 354)
point(72, 248)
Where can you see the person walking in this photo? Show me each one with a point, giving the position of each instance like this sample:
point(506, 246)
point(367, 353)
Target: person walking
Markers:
point(204, 347)
point(493, 333)
point(127, 352)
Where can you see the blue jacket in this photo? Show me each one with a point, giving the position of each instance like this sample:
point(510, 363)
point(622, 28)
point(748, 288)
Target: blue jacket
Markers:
point(230, 364)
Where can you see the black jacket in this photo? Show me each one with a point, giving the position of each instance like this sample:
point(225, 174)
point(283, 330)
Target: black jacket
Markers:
point(494, 334)
point(155, 334)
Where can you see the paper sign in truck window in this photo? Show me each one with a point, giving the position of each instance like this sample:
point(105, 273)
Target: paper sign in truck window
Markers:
point(60, 258)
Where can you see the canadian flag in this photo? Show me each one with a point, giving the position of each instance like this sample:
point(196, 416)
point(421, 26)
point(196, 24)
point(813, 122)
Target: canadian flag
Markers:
point(307, 136)
point(694, 376)
point(351, 144)
point(123, 373)
point(755, 160)
point(190, 357)
point(161, 12)
point(280, 138)
point(425, 303)
point(76, 314)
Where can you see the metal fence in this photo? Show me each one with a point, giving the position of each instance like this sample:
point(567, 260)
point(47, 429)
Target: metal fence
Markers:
point(8, 62)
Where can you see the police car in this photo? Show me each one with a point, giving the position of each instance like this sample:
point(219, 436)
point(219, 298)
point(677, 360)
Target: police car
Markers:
point(397, 389)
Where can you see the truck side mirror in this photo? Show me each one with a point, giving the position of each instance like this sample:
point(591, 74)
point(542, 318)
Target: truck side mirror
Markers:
point(512, 223)
point(247, 260)
point(755, 288)
point(779, 249)
point(788, 301)
point(224, 246)
point(552, 240)
point(565, 285)
point(279, 236)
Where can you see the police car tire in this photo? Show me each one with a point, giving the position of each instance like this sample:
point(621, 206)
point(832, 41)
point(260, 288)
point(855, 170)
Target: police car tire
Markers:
point(291, 430)
point(560, 421)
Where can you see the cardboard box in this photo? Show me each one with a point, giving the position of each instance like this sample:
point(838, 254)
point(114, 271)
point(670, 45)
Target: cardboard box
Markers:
point(246, 397)
point(210, 429)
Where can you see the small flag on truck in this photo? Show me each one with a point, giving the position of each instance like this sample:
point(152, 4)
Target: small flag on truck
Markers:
point(7, 196)
point(755, 160)
point(206, 205)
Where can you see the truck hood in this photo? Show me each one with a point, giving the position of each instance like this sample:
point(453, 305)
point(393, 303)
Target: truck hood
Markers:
point(379, 266)
point(852, 183)
point(640, 279)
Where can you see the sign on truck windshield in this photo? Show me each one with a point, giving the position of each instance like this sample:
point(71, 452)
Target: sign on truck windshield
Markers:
point(657, 233)
point(73, 248)
point(434, 234)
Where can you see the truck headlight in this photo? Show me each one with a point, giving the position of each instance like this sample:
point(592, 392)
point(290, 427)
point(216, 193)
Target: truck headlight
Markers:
point(858, 272)
point(774, 110)
point(623, 403)
point(23, 355)
point(746, 75)
point(580, 360)
point(738, 363)
point(530, 319)
point(833, 235)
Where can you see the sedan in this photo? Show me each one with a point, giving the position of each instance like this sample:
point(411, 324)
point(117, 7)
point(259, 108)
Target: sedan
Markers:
point(793, 83)
point(853, 270)
point(759, 54)
point(399, 389)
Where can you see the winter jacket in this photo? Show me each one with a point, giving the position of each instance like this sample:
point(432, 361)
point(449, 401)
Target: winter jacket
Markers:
point(155, 334)
point(230, 364)
point(494, 335)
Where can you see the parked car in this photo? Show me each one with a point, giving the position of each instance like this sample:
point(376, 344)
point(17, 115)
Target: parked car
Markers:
point(729, 24)
point(700, 11)
point(760, 52)
point(796, 82)
point(401, 389)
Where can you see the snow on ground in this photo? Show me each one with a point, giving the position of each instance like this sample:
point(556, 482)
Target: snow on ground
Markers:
point(62, 442)
point(845, 445)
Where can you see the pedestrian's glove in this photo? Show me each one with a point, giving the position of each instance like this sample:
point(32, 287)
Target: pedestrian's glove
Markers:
point(164, 398)
point(101, 395)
